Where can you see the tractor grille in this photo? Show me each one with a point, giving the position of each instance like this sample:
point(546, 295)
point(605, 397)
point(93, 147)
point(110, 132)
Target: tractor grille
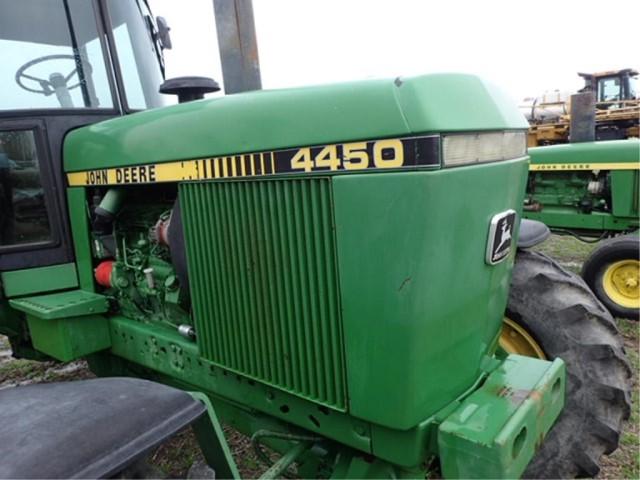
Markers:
point(264, 287)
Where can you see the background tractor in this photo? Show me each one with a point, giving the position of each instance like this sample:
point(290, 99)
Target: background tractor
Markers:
point(590, 190)
point(295, 255)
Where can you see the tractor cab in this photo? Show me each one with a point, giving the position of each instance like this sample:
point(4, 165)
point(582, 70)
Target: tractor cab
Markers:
point(612, 88)
point(65, 64)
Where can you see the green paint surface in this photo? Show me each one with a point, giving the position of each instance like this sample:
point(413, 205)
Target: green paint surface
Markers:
point(624, 151)
point(38, 280)
point(496, 430)
point(625, 188)
point(73, 303)
point(569, 218)
point(404, 335)
point(79, 219)
point(274, 119)
point(71, 338)
point(66, 325)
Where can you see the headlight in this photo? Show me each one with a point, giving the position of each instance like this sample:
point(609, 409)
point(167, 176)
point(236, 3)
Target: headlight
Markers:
point(467, 149)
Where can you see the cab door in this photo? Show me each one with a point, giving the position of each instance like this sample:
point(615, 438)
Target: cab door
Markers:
point(31, 231)
point(56, 76)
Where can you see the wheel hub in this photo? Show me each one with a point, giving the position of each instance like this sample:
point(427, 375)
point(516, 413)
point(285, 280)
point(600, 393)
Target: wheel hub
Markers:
point(621, 282)
point(515, 339)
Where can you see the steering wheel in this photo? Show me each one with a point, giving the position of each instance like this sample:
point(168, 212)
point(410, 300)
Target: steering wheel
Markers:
point(47, 88)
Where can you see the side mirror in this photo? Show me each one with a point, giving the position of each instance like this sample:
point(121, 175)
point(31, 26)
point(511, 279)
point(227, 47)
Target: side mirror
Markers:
point(163, 33)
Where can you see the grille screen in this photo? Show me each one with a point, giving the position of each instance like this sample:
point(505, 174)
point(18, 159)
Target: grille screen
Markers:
point(264, 288)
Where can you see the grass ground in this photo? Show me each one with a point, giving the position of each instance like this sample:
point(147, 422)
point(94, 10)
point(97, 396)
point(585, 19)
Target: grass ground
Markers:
point(175, 457)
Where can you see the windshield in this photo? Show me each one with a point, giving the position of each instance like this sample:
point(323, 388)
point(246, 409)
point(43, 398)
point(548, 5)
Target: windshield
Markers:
point(52, 56)
point(139, 54)
point(609, 89)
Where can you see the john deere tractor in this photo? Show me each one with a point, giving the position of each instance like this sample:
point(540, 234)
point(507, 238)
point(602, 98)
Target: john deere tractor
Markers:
point(590, 190)
point(329, 265)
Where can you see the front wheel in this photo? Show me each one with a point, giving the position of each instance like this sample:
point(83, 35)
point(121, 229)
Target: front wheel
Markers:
point(552, 313)
point(613, 273)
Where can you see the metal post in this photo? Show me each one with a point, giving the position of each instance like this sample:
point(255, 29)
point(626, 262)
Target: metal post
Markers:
point(238, 45)
point(583, 117)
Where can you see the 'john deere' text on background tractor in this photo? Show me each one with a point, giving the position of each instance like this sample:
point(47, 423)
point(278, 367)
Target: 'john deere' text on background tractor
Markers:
point(329, 265)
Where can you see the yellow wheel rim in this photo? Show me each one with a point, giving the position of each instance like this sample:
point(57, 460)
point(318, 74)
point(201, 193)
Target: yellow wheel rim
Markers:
point(515, 339)
point(621, 282)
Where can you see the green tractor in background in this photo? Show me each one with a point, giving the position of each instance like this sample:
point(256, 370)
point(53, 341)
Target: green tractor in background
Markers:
point(591, 191)
point(329, 265)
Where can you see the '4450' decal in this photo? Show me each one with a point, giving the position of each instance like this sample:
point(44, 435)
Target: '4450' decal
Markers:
point(389, 153)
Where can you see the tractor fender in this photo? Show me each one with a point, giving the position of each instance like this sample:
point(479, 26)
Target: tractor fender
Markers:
point(532, 233)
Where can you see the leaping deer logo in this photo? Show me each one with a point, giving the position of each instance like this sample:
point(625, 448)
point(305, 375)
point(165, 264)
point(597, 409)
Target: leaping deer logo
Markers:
point(505, 235)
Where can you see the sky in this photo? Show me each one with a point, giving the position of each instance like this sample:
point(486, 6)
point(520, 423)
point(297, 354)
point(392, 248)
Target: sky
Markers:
point(526, 47)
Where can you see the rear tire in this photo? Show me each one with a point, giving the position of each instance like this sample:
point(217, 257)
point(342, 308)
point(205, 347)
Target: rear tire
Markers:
point(561, 314)
point(612, 272)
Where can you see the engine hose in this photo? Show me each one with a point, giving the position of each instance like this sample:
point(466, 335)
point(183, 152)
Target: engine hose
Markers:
point(562, 231)
point(289, 437)
point(107, 210)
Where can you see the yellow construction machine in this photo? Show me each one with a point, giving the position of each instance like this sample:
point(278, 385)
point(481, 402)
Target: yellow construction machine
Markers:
point(615, 100)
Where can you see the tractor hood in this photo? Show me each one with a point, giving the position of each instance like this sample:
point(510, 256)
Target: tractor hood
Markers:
point(605, 155)
point(276, 119)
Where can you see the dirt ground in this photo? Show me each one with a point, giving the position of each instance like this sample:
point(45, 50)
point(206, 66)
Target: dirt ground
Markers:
point(175, 457)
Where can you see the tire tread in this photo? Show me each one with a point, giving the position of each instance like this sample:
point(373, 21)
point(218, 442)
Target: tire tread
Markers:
point(559, 310)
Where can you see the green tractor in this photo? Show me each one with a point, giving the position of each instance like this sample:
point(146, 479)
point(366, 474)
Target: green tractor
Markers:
point(591, 190)
point(329, 265)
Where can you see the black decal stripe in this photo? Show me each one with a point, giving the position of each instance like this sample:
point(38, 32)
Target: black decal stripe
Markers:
point(417, 152)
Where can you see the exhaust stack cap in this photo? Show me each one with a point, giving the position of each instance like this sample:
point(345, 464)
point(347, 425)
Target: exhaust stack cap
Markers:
point(189, 88)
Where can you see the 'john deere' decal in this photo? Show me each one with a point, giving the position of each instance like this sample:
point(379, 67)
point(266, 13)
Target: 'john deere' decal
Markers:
point(352, 157)
point(564, 167)
point(500, 237)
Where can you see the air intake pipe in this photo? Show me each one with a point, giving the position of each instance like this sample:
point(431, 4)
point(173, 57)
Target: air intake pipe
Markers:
point(107, 210)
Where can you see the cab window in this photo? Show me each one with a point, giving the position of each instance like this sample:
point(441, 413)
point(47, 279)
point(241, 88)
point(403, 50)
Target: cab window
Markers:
point(633, 88)
point(609, 89)
point(138, 53)
point(23, 212)
point(52, 56)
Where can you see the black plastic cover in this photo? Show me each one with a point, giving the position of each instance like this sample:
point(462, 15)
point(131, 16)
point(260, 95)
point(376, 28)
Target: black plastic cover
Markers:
point(189, 88)
point(88, 428)
point(177, 246)
point(532, 233)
